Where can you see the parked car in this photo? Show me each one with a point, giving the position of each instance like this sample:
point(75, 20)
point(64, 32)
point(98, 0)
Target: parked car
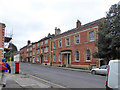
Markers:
point(113, 75)
point(101, 70)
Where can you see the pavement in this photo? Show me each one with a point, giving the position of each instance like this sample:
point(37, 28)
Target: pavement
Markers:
point(24, 81)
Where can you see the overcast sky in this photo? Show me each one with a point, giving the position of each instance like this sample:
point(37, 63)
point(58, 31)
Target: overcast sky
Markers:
point(34, 19)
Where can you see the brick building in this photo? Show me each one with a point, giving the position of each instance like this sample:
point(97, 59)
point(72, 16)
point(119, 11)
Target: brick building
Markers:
point(38, 52)
point(2, 31)
point(3, 40)
point(72, 48)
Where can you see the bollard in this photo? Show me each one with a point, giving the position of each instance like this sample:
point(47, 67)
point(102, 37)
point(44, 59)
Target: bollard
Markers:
point(16, 67)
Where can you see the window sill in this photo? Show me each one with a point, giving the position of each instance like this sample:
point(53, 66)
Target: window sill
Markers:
point(59, 61)
point(77, 61)
point(67, 45)
point(88, 61)
point(91, 40)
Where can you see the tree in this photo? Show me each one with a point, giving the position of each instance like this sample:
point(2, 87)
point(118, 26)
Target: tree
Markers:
point(108, 42)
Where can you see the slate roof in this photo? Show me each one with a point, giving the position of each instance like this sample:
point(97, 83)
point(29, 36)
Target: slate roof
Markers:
point(81, 27)
point(69, 31)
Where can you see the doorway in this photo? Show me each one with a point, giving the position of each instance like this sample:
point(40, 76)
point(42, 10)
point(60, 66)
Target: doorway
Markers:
point(67, 60)
point(41, 59)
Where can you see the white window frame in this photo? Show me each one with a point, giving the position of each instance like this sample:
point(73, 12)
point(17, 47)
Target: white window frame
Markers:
point(41, 43)
point(54, 45)
point(27, 49)
point(88, 56)
point(91, 36)
point(67, 41)
point(33, 52)
point(60, 57)
point(31, 49)
point(77, 58)
point(38, 51)
point(41, 50)
point(54, 57)
point(46, 58)
point(46, 41)
point(30, 54)
point(46, 49)
point(38, 44)
point(77, 39)
point(34, 46)
point(60, 43)
point(38, 59)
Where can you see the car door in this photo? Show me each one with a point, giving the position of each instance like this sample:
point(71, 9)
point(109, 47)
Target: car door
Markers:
point(102, 70)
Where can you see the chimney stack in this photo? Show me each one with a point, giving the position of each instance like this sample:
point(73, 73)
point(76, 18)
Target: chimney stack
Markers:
point(78, 24)
point(28, 42)
point(57, 31)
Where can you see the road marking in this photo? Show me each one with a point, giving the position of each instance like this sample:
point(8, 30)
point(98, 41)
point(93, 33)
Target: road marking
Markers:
point(47, 81)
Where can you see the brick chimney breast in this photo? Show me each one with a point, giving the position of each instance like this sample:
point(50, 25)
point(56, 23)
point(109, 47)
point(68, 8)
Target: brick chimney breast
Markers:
point(78, 24)
point(57, 31)
point(28, 42)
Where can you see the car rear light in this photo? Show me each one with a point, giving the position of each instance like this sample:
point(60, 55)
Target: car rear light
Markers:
point(107, 75)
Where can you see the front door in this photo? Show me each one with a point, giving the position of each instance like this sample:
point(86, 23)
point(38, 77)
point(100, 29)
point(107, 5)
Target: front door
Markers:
point(33, 59)
point(67, 60)
point(41, 60)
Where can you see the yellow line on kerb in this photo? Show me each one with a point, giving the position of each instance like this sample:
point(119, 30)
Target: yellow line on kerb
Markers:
point(48, 81)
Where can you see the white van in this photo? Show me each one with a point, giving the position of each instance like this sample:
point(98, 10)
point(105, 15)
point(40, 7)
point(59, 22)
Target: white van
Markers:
point(113, 75)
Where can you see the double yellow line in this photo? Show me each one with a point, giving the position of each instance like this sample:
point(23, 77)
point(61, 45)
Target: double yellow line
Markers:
point(47, 81)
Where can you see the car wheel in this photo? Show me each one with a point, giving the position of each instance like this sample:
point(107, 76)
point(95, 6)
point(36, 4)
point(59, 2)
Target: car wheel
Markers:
point(93, 72)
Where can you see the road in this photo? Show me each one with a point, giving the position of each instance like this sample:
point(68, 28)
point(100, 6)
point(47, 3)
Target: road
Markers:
point(58, 77)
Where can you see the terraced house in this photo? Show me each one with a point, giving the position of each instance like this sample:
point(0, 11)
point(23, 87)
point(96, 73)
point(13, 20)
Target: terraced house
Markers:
point(37, 52)
point(72, 48)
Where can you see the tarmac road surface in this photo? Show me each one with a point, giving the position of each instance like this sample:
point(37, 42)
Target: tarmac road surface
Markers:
point(61, 78)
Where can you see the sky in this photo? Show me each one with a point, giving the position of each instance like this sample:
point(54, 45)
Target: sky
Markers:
point(34, 19)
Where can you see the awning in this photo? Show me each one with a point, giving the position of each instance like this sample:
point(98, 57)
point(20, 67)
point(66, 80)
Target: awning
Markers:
point(66, 51)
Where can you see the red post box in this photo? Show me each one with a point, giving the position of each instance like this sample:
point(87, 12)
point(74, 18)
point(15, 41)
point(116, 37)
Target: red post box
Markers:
point(16, 67)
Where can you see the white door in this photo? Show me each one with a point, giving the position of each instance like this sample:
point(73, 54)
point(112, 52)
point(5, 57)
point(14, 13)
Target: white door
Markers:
point(33, 60)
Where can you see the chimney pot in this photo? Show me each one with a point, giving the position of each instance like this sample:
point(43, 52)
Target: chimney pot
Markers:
point(78, 24)
point(57, 31)
point(28, 42)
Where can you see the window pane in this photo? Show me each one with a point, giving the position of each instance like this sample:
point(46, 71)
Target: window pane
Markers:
point(77, 55)
point(54, 45)
point(67, 42)
point(60, 44)
point(88, 54)
point(41, 43)
point(77, 39)
point(46, 41)
point(91, 36)
point(46, 49)
point(38, 59)
point(41, 50)
point(60, 58)
point(53, 57)
point(46, 58)
point(38, 44)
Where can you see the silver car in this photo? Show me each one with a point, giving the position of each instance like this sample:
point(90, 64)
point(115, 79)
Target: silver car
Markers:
point(100, 70)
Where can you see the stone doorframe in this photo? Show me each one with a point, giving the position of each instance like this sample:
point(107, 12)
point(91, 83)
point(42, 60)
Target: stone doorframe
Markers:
point(67, 58)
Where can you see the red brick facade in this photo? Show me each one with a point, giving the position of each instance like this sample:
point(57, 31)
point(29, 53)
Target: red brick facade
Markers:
point(38, 52)
point(72, 48)
point(2, 31)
